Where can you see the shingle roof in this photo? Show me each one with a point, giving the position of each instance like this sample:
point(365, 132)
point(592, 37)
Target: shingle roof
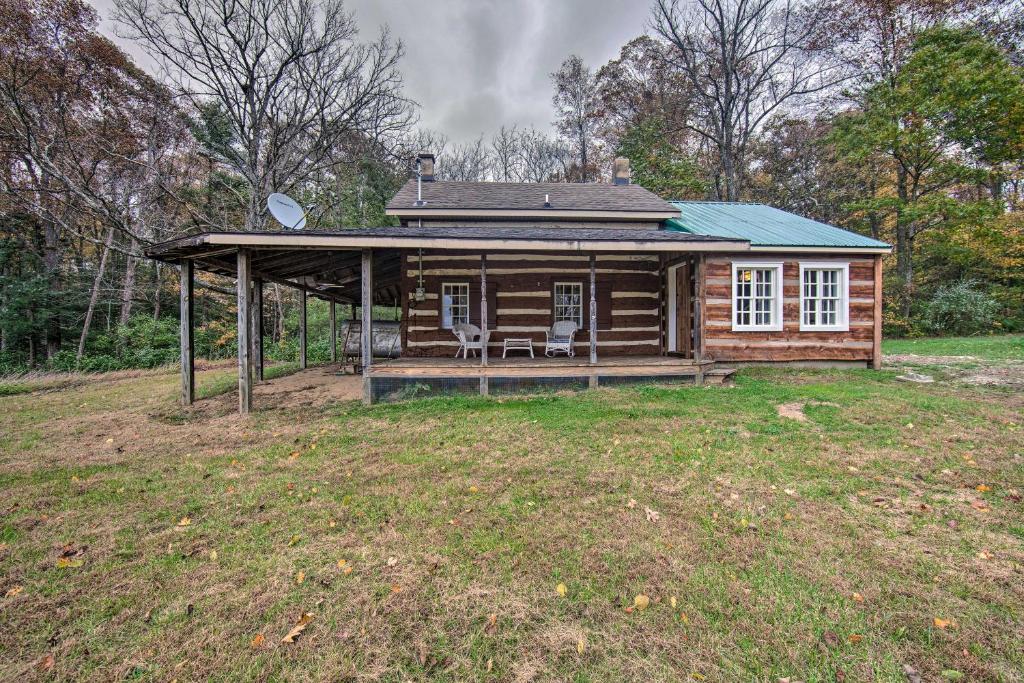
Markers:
point(489, 196)
point(763, 226)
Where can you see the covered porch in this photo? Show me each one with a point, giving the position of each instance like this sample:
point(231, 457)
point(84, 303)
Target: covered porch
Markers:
point(379, 266)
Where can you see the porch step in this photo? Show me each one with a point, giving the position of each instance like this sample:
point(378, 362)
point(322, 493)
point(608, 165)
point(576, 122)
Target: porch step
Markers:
point(718, 375)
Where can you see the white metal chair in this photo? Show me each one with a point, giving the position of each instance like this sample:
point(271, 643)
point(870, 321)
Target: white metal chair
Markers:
point(560, 338)
point(470, 338)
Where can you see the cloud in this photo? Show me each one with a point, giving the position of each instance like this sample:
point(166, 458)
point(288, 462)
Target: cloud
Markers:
point(474, 65)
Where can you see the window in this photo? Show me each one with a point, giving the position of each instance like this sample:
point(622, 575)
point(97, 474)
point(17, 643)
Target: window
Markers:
point(757, 296)
point(569, 302)
point(824, 296)
point(454, 304)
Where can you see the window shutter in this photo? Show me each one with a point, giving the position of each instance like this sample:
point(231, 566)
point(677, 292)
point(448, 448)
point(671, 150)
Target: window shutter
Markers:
point(604, 305)
point(492, 306)
point(474, 302)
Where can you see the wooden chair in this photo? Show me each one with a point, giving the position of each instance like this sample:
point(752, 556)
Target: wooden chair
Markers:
point(560, 338)
point(470, 339)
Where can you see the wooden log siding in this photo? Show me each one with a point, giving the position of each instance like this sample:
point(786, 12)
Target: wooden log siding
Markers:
point(519, 289)
point(721, 343)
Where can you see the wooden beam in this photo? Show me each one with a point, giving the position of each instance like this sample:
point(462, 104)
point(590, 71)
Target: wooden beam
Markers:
point(876, 346)
point(483, 313)
point(257, 329)
point(699, 316)
point(244, 374)
point(333, 318)
point(188, 368)
point(366, 331)
point(302, 329)
point(593, 310)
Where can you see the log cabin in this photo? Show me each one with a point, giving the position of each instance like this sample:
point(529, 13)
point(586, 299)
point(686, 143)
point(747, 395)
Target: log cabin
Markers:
point(656, 290)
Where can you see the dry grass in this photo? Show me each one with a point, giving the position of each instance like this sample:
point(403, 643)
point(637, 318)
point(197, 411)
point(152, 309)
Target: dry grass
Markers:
point(451, 511)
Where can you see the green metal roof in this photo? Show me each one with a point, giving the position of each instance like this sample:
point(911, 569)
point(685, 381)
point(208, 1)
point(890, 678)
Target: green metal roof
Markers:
point(764, 226)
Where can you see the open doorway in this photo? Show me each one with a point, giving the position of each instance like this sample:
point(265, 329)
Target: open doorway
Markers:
point(680, 308)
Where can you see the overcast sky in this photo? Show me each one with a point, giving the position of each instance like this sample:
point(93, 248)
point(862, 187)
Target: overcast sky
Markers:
point(474, 65)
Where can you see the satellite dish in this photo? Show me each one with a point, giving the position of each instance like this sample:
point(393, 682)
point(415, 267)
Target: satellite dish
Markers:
point(287, 211)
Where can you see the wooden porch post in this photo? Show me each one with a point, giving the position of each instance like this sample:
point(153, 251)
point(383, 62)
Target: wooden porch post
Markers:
point(366, 329)
point(332, 315)
point(483, 307)
point(244, 329)
point(302, 329)
point(257, 329)
point(188, 368)
point(593, 310)
point(876, 346)
point(700, 274)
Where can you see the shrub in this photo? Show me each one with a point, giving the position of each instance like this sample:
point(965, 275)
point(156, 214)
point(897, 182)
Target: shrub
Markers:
point(961, 309)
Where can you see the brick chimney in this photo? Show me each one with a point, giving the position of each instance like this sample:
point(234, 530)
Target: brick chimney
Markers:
point(425, 161)
point(620, 171)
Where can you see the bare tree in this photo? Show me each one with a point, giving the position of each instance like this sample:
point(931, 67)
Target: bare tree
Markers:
point(577, 106)
point(545, 159)
point(467, 162)
point(744, 59)
point(288, 76)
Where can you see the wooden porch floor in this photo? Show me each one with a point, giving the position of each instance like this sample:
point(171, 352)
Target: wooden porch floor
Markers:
point(540, 366)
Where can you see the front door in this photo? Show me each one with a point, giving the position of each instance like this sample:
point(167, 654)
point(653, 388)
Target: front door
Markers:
point(681, 310)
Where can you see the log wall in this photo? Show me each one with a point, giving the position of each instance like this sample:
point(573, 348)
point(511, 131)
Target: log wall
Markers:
point(519, 287)
point(721, 343)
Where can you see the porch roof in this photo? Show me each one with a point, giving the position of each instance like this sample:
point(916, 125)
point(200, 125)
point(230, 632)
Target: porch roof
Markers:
point(456, 238)
point(327, 264)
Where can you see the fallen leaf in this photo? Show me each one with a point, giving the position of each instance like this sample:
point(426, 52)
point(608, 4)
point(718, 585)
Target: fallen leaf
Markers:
point(347, 569)
point(830, 638)
point(490, 664)
point(110, 440)
point(982, 488)
point(12, 591)
point(65, 562)
point(628, 610)
point(641, 601)
point(683, 618)
point(943, 623)
point(581, 645)
point(631, 504)
point(300, 577)
point(857, 597)
point(392, 561)
point(294, 540)
point(213, 555)
point(696, 676)
point(293, 455)
point(652, 516)
point(299, 627)
point(979, 506)
point(672, 601)
point(492, 623)
point(911, 673)
point(342, 563)
point(473, 489)
point(395, 588)
point(789, 492)
point(984, 555)
point(561, 589)
point(855, 638)
point(185, 521)
point(46, 663)
point(258, 640)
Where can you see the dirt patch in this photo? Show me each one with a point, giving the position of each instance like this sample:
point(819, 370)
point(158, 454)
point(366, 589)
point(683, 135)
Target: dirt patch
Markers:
point(132, 423)
point(795, 411)
point(966, 369)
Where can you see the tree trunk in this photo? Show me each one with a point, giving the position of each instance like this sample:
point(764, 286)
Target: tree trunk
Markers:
point(95, 294)
point(52, 262)
point(128, 288)
point(156, 294)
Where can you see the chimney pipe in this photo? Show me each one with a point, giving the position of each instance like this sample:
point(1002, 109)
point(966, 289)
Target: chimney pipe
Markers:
point(620, 171)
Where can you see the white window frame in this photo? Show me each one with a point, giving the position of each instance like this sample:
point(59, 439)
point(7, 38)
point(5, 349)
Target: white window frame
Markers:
point(776, 299)
point(554, 301)
point(447, 314)
point(842, 323)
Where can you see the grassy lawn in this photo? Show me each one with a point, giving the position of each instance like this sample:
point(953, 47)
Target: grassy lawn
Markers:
point(996, 347)
point(509, 539)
